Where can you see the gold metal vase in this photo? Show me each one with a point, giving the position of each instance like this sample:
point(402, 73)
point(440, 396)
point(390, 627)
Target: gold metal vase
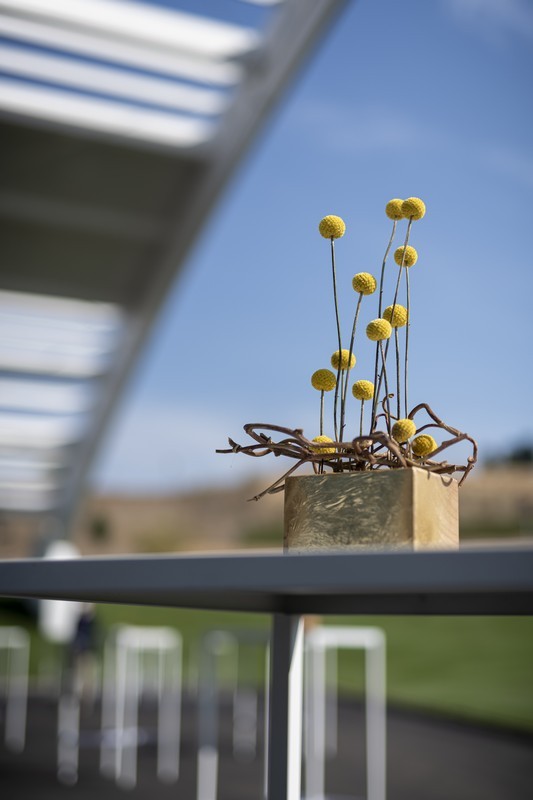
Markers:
point(377, 509)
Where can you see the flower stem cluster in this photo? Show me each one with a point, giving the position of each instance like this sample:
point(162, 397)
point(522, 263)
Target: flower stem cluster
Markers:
point(382, 330)
point(391, 439)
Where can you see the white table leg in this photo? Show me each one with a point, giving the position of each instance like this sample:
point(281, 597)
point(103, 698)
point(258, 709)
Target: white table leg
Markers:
point(285, 728)
point(315, 761)
point(376, 712)
point(17, 689)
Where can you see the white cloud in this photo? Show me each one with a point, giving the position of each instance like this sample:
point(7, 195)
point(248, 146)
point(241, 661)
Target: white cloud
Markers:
point(353, 131)
point(494, 20)
point(514, 165)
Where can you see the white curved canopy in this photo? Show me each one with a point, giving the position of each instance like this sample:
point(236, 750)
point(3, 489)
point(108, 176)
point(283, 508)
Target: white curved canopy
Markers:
point(121, 122)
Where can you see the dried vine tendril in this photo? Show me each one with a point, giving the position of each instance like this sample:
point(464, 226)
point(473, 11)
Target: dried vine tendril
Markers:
point(376, 450)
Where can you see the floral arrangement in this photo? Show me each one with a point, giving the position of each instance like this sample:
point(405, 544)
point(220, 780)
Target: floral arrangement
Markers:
point(393, 438)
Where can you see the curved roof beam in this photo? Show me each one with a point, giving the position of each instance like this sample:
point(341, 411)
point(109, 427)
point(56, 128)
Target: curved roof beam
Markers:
point(103, 116)
point(111, 81)
point(137, 56)
point(137, 22)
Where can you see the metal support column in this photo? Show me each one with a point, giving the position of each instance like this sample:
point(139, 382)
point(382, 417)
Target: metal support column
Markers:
point(285, 708)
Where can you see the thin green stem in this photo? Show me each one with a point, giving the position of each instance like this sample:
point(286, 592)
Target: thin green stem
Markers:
point(381, 280)
point(380, 311)
point(397, 343)
point(335, 401)
point(394, 303)
point(341, 393)
point(381, 378)
point(376, 391)
point(377, 385)
point(350, 352)
point(337, 319)
point(361, 418)
point(384, 373)
point(408, 325)
point(407, 308)
point(406, 242)
point(321, 412)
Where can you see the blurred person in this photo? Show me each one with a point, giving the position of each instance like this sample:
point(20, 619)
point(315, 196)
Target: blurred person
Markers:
point(82, 655)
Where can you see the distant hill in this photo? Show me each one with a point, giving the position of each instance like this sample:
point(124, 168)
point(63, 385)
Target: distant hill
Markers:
point(205, 519)
point(493, 502)
point(498, 501)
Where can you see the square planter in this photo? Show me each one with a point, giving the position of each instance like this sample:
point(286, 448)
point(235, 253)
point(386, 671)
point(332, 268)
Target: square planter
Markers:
point(397, 508)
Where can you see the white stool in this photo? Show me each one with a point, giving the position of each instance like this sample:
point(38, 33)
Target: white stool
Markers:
point(214, 646)
point(319, 641)
point(127, 657)
point(16, 642)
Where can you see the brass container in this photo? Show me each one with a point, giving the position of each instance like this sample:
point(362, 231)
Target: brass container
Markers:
point(378, 509)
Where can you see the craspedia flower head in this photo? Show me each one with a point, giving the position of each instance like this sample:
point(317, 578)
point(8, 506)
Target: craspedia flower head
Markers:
point(344, 360)
point(363, 390)
point(413, 208)
point(399, 318)
point(424, 445)
point(410, 257)
point(323, 450)
point(403, 429)
point(332, 227)
point(364, 283)
point(393, 209)
point(323, 380)
point(378, 329)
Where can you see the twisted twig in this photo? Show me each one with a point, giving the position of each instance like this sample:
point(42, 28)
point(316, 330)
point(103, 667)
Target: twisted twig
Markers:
point(376, 450)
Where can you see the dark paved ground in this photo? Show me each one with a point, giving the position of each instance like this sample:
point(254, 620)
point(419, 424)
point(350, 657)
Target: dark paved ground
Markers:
point(428, 759)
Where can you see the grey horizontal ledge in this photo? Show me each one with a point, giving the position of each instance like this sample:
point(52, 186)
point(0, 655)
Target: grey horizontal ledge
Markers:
point(477, 581)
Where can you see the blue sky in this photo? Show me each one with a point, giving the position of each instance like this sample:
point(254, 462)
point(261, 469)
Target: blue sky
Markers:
point(411, 98)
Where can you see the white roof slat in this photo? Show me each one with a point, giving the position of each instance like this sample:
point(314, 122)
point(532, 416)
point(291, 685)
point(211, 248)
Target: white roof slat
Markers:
point(18, 472)
point(30, 498)
point(31, 332)
point(144, 57)
point(103, 116)
point(67, 364)
point(109, 81)
point(62, 310)
point(140, 22)
point(45, 396)
point(55, 336)
point(38, 430)
point(45, 457)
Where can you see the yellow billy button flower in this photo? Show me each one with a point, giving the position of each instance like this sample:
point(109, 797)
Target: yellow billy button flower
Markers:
point(344, 364)
point(332, 227)
point(364, 283)
point(410, 258)
point(424, 445)
point(323, 450)
point(413, 208)
point(403, 429)
point(363, 390)
point(393, 209)
point(378, 329)
point(323, 380)
point(399, 319)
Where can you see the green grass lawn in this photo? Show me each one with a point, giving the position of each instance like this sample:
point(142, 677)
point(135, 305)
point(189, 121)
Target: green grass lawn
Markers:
point(477, 668)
